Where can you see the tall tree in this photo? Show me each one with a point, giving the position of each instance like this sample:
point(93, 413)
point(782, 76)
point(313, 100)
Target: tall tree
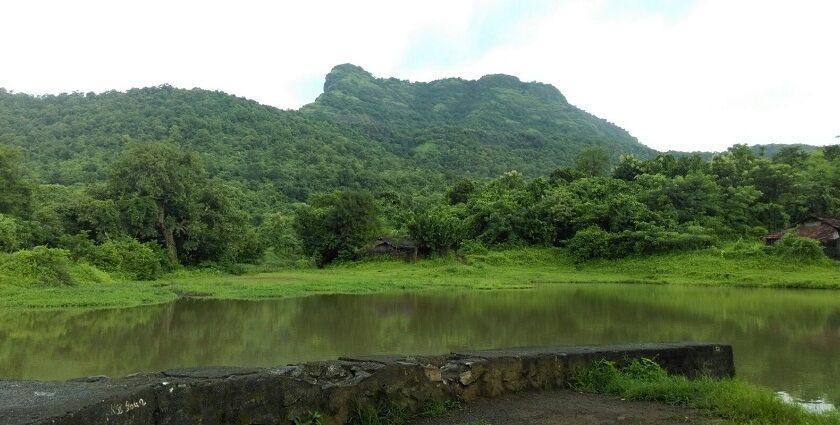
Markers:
point(167, 178)
point(15, 188)
point(593, 162)
point(338, 226)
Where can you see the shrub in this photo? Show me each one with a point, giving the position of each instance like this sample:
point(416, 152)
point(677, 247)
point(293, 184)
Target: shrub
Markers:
point(129, 258)
point(472, 247)
point(39, 266)
point(745, 248)
point(278, 233)
point(589, 243)
point(9, 240)
point(657, 240)
point(797, 248)
point(438, 230)
point(79, 245)
point(592, 242)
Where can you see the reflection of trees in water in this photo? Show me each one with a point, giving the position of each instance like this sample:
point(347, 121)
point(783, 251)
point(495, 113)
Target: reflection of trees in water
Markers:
point(784, 339)
point(832, 325)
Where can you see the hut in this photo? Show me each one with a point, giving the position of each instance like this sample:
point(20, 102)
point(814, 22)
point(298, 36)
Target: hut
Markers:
point(402, 247)
point(825, 230)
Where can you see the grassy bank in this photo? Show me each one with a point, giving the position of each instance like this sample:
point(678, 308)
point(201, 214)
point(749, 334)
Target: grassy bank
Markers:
point(509, 269)
point(733, 400)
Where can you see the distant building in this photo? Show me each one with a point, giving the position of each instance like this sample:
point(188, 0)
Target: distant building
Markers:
point(402, 247)
point(825, 230)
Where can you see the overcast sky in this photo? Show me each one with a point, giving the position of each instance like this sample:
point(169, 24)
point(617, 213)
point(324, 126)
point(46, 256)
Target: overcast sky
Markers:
point(677, 74)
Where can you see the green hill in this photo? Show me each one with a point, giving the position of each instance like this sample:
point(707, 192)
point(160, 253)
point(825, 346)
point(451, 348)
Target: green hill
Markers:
point(362, 132)
point(71, 138)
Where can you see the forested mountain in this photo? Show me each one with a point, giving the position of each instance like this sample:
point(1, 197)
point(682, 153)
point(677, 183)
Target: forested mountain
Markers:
point(139, 182)
point(480, 128)
point(362, 133)
point(71, 138)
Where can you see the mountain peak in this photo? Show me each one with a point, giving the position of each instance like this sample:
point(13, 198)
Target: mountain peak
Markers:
point(497, 116)
point(345, 71)
point(500, 80)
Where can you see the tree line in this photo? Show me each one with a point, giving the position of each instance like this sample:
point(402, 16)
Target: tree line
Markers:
point(159, 208)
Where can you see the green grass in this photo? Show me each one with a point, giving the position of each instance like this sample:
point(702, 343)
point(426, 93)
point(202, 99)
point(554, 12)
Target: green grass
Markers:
point(521, 268)
point(733, 400)
point(383, 413)
point(437, 408)
point(310, 418)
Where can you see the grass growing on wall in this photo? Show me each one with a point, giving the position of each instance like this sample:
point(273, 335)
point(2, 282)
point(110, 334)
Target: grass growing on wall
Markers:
point(735, 401)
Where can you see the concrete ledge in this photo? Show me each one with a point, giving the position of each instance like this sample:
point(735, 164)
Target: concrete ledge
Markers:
point(229, 395)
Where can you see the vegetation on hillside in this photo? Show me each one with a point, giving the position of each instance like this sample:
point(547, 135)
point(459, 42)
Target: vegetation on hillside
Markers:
point(476, 128)
point(133, 185)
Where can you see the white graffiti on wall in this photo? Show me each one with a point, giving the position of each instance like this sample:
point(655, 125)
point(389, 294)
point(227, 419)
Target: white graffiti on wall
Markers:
point(119, 409)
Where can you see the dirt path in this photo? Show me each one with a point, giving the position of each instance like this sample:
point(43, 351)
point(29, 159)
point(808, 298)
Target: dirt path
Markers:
point(563, 407)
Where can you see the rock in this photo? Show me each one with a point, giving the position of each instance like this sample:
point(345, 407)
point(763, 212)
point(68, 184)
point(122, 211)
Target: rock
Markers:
point(95, 378)
point(433, 373)
point(466, 378)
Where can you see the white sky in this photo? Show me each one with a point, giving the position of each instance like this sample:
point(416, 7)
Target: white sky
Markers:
point(677, 74)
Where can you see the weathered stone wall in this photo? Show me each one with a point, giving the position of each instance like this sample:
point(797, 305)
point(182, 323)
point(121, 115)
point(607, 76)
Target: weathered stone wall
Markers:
point(333, 388)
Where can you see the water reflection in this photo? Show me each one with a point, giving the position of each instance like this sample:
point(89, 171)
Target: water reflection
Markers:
point(787, 340)
point(816, 406)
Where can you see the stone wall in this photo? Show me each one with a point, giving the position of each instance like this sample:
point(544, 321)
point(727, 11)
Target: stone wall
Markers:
point(223, 395)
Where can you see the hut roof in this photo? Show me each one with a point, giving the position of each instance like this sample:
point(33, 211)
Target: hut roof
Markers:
point(826, 229)
point(401, 242)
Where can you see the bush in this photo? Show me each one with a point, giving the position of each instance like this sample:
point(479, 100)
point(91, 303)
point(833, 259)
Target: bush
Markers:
point(438, 230)
point(472, 247)
point(129, 258)
point(9, 240)
point(797, 248)
point(589, 243)
point(39, 266)
point(658, 240)
point(593, 242)
point(745, 248)
point(80, 245)
point(278, 233)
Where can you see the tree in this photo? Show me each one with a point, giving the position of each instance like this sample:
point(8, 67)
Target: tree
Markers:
point(565, 175)
point(277, 232)
point(165, 179)
point(693, 196)
point(791, 155)
point(9, 240)
point(460, 192)
point(218, 230)
point(593, 162)
point(831, 152)
point(337, 226)
point(628, 168)
point(15, 188)
point(438, 229)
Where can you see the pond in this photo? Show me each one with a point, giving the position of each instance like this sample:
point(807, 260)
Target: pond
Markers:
point(788, 340)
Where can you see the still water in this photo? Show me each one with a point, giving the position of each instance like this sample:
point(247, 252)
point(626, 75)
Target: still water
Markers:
point(784, 339)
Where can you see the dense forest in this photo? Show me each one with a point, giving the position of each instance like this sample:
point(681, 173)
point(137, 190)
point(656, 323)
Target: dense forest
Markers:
point(131, 185)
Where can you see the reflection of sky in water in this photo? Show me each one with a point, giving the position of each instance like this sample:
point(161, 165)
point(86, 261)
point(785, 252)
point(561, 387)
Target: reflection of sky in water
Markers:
point(816, 406)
